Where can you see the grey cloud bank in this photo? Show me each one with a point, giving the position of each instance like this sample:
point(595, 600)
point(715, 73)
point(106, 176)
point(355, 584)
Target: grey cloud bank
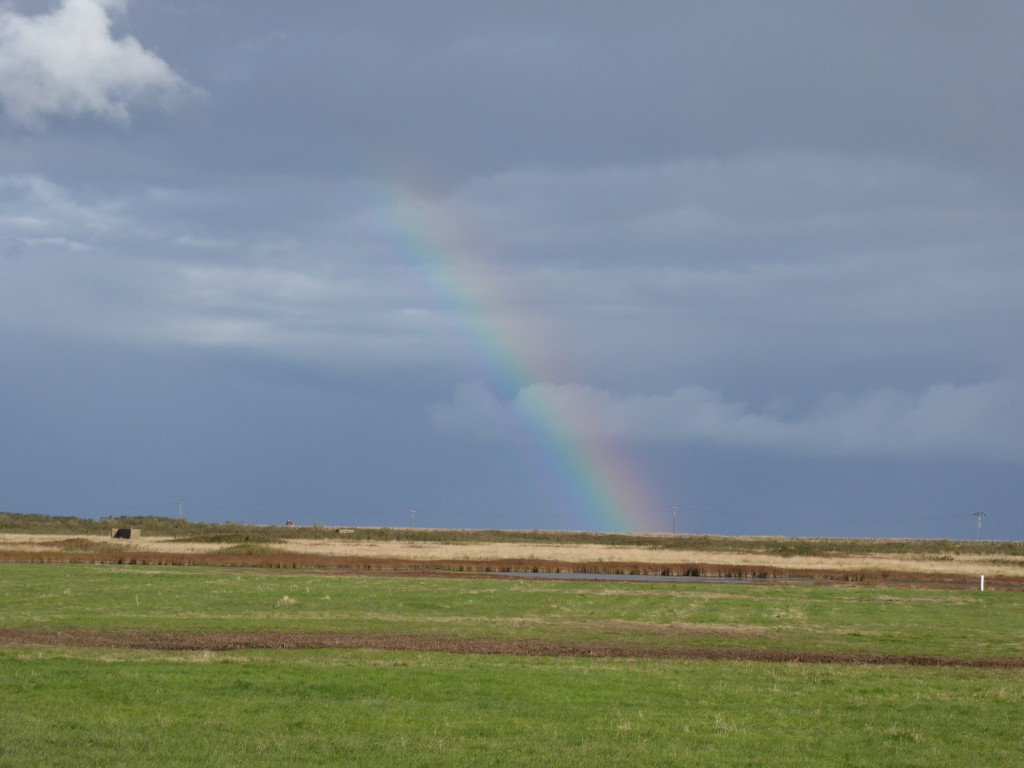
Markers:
point(772, 255)
point(973, 422)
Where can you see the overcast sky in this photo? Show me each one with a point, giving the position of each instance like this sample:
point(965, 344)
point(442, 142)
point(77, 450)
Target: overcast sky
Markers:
point(530, 265)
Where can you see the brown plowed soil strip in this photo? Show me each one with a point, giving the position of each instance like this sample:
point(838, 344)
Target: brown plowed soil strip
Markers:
point(228, 641)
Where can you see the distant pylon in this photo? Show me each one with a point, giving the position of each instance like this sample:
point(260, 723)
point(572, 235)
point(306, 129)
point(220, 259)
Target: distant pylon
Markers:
point(978, 515)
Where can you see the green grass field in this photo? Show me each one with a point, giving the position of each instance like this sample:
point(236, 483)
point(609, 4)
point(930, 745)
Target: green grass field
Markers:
point(372, 708)
point(927, 622)
point(73, 706)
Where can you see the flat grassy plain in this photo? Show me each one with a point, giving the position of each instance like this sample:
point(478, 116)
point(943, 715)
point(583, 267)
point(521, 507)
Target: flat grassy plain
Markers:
point(633, 615)
point(121, 704)
point(373, 708)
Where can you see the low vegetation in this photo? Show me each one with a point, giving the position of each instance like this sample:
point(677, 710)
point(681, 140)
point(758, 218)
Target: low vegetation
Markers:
point(373, 550)
point(239, 533)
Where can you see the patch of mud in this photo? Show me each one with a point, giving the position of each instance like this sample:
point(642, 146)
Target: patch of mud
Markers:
point(230, 641)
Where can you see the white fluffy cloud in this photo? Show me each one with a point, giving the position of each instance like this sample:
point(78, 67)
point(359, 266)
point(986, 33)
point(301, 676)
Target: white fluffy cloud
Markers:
point(981, 421)
point(68, 63)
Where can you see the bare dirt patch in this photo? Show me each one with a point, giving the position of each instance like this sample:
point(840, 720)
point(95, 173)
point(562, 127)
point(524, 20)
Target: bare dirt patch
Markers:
point(229, 641)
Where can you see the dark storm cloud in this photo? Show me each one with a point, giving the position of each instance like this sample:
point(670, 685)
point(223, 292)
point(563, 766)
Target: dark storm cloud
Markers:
point(461, 90)
point(751, 227)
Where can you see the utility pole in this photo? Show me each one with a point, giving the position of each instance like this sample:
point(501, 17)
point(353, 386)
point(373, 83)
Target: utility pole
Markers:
point(675, 510)
point(978, 515)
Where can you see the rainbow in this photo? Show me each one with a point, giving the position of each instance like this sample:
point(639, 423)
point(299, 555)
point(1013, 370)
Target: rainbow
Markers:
point(594, 482)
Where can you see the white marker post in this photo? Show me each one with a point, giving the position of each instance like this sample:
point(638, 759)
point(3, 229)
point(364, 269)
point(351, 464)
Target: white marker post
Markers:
point(983, 583)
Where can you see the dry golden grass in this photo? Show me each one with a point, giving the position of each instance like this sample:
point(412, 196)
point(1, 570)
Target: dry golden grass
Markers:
point(43, 541)
point(587, 553)
point(966, 564)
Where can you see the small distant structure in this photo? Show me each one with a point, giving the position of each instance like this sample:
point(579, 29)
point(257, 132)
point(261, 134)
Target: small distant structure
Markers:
point(126, 533)
point(289, 523)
